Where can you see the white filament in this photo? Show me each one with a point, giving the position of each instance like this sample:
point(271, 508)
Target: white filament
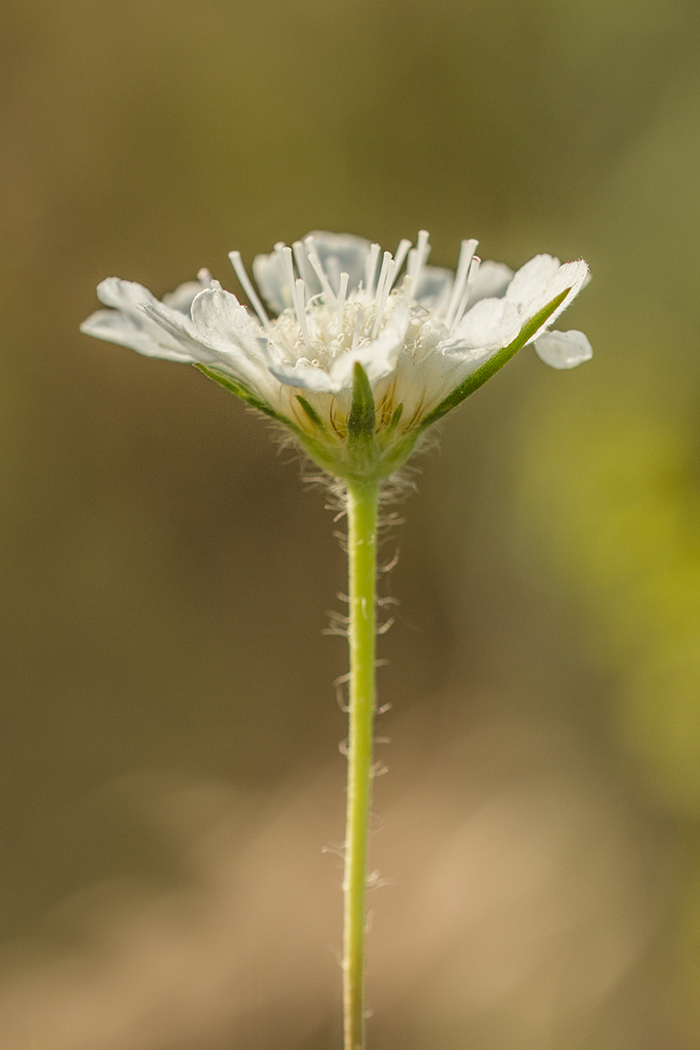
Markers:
point(466, 254)
point(386, 279)
point(247, 285)
point(289, 273)
point(342, 292)
point(371, 267)
point(359, 321)
point(300, 292)
point(473, 270)
point(321, 274)
point(401, 253)
point(300, 258)
point(418, 256)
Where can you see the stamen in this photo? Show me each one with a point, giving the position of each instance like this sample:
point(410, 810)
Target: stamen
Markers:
point(333, 268)
point(359, 321)
point(473, 270)
point(407, 288)
point(342, 292)
point(312, 255)
point(300, 290)
point(320, 273)
point(401, 253)
point(466, 254)
point(300, 259)
point(247, 285)
point(289, 268)
point(386, 279)
point(309, 249)
point(418, 256)
point(383, 274)
point(371, 267)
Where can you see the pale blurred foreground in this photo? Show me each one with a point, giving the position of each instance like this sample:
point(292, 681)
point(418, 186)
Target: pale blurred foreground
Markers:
point(519, 905)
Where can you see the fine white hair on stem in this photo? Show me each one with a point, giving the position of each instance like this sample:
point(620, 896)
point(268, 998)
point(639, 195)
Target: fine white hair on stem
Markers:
point(340, 694)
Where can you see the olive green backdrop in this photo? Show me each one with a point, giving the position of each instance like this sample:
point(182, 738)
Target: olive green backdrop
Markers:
point(168, 756)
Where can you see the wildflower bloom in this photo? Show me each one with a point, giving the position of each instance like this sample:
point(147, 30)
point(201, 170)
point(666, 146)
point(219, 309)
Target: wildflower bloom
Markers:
point(357, 363)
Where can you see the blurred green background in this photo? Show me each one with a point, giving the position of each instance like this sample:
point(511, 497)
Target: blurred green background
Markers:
point(168, 754)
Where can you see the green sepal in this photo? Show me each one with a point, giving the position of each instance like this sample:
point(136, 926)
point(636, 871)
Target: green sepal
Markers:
point(234, 387)
point(319, 450)
point(394, 421)
point(312, 414)
point(362, 418)
point(493, 365)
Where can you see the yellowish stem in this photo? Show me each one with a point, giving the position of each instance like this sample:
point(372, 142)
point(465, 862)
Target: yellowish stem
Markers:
point(362, 504)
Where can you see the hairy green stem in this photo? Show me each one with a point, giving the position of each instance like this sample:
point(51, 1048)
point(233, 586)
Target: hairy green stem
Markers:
point(362, 506)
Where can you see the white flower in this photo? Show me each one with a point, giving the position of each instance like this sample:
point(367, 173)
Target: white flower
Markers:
point(339, 305)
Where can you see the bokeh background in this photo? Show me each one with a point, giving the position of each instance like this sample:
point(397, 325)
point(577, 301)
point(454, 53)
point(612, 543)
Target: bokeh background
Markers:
point(169, 766)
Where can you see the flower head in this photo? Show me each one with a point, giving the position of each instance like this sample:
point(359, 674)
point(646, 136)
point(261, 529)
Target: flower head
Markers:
point(362, 355)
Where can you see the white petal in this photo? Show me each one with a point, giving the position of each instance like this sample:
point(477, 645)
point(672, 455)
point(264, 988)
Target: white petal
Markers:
point(489, 325)
point(434, 287)
point(225, 357)
point(142, 323)
point(129, 326)
point(572, 276)
point(225, 325)
point(124, 295)
point(491, 281)
point(340, 253)
point(563, 349)
point(181, 328)
point(181, 299)
point(420, 385)
point(240, 344)
point(145, 337)
point(337, 253)
point(271, 277)
point(306, 376)
point(531, 279)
